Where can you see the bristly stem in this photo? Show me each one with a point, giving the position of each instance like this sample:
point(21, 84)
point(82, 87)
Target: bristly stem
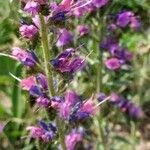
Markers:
point(60, 126)
point(46, 55)
point(99, 81)
point(48, 71)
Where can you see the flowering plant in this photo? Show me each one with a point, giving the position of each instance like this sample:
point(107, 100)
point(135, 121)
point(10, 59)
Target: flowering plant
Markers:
point(56, 52)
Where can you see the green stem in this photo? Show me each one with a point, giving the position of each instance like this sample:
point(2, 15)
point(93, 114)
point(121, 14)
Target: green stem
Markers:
point(48, 70)
point(133, 130)
point(59, 124)
point(46, 55)
point(99, 86)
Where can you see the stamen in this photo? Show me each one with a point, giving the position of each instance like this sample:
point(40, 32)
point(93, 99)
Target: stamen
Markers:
point(81, 5)
point(107, 98)
point(87, 56)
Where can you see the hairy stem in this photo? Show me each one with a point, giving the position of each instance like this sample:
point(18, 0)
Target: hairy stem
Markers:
point(47, 56)
point(99, 81)
point(59, 124)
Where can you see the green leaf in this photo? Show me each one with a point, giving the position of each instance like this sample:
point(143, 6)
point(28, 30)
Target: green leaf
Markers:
point(17, 99)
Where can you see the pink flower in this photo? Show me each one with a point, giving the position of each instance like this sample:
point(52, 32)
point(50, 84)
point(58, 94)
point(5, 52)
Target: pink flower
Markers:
point(19, 53)
point(88, 107)
point(99, 3)
point(72, 139)
point(64, 110)
point(32, 7)
point(71, 97)
point(39, 1)
point(113, 63)
point(36, 20)
point(83, 29)
point(42, 101)
point(28, 31)
point(35, 132)
point(64, 37)
point(27, 83)
point(27, 58)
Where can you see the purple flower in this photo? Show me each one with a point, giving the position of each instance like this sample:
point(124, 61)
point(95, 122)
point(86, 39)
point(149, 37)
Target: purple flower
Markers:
point(112, 27)
point(83, 29)
point(64, 37)
point(28, 82)
point(35, 132)
point(112, 45)
point(28, 31)
point(72, 139)
point(126, 106)
point(42, 2)
point(27, 58)
point(32, 7)
point(71, 97)
point(45, 132)
point(128, 18)
point(43, 101)
point(74, 109)
point(99, 3)
point(36, 91)
point(68, 62)
point(101, 97)
point(78, 12)
point(113, 63)
point(124, 18)
point(42, 80)
point(135, 23)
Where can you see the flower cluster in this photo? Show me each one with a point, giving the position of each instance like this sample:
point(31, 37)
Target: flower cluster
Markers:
point(45, 132)
point(124, 105)
point(37, 87)
point(26, 57)
point(72, 139)
point(74, 109)
point(63, 63)
point(68, 62)
point(128, 18)
point(119, 55)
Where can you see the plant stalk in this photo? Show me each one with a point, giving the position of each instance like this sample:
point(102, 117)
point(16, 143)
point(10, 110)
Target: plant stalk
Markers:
point(47, 57)
point(99, 81)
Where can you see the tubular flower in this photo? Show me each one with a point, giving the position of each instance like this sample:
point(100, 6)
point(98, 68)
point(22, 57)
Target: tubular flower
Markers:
point(70, 7)
point(126, 106)
point(39, 1)
point(43, 101)
point(83, 29)
point(99, 3)
point(27, 83)
point(75, 109)
point(112, 45)
point(113, 63)
point(28, 31)
point(27, 58)
point(42, 81)
point(45, 132)
point(72, 139)
point(64, 37)
point(32, 7)
point(68, 62)
point(128, 18)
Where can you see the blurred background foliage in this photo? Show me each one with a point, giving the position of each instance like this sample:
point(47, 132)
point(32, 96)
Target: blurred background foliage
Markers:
point(15, 112)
